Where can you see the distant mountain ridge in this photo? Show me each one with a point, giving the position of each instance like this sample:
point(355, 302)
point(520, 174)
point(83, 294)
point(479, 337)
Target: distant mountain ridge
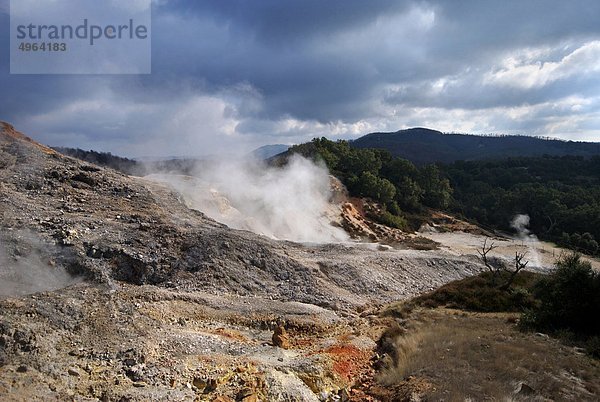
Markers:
point(268, 151)
point(423, 145)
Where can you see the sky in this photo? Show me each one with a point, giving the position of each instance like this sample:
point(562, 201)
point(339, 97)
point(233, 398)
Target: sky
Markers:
point(231, 75)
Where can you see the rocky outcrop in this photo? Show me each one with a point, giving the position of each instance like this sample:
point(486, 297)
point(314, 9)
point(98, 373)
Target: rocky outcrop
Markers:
point(280, 337)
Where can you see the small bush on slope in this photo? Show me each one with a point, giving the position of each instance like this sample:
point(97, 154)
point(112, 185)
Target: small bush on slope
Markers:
point(569, 303)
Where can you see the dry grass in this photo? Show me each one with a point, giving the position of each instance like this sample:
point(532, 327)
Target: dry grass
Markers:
point(485, 357)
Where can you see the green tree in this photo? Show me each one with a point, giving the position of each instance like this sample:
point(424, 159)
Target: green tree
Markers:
point(369, 185)
point(436, 190)
point(569, 298)
point(409, 194)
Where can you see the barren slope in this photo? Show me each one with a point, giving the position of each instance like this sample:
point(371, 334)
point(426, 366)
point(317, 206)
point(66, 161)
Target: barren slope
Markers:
point(170, 304)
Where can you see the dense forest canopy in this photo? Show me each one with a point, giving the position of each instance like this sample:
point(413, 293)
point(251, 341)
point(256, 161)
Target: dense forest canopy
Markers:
point(398, 185)
point(561, 194)
point(422, 146)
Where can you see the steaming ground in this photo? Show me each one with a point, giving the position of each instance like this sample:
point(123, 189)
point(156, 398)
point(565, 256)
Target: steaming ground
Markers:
point(24, 269)
point(541, 255)
point(176, 306)
point(289, 203)
point(529, 241)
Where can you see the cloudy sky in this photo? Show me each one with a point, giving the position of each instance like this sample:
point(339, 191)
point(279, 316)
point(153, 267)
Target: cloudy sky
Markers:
point(231, 75)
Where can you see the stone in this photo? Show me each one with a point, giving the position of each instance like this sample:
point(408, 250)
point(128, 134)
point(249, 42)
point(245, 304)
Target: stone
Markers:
point(281, 338)
point(250, 398)
point(211, 385)
point(247, 395)
point(199, 383)
point(222, 398)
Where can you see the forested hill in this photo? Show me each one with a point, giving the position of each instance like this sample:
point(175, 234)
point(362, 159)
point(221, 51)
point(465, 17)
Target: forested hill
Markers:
point(422, 146)
point(561, 194)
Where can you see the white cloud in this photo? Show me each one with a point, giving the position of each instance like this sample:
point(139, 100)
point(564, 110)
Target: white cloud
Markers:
point(535, 72)
point(195, 124)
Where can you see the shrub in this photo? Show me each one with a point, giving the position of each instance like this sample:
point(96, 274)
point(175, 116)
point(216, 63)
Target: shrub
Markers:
point(592, 345)
point(569, 299)
point(394, 221)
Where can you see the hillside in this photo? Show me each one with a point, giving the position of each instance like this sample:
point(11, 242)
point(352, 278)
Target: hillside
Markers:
point(559, 194)
point(422, 146)
point(113, 289)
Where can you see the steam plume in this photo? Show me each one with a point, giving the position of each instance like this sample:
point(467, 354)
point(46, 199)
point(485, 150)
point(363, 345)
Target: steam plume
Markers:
point(520, 223)
point(288, 203)
point(25, 271)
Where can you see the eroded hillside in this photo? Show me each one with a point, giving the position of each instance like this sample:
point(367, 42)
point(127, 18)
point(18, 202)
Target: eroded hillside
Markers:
point(123, 292)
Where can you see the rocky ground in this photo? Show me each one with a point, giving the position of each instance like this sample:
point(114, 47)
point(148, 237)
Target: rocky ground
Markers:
point(115, 290)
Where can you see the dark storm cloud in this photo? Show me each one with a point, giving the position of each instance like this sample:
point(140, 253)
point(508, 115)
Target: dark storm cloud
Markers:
point(299, 72)
point(489, 24)
point(291, 52)
point(277, 23)
point(254, 70)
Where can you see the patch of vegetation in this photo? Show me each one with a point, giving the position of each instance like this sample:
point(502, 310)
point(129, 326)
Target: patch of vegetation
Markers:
point(391, 220)
point(474, 356)
point(569, 304)
point(463, 351)
point(561, 195)
point(124, 165)
point(584, 242)
point(399, 186)
point(482, 293)
point(565, 303)
point(132, 166)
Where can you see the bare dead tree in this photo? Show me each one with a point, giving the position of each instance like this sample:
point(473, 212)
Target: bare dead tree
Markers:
point(519, 265)
point(483, 254)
